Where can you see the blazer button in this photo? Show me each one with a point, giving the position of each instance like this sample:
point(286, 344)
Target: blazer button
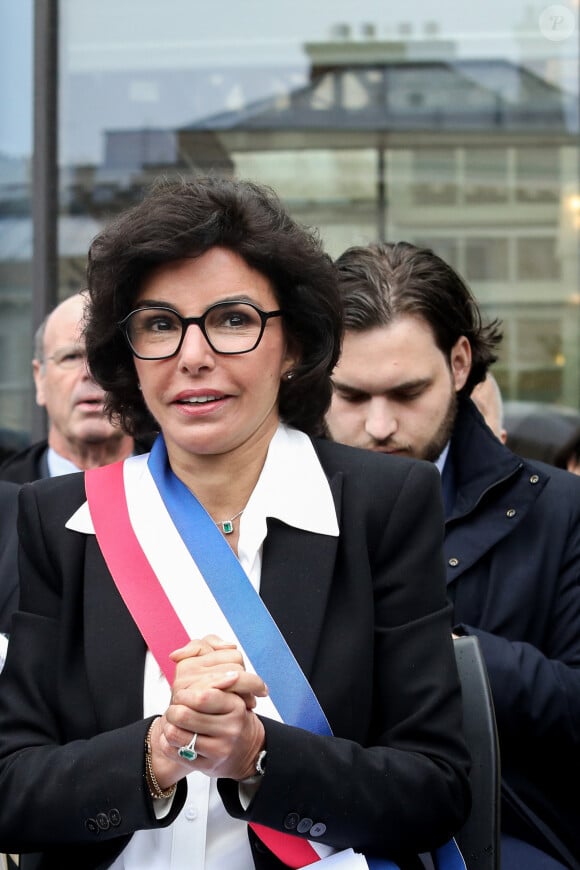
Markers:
point(318, 829)
point(291, 821)
point(454, 562)
point(510, 513)
point(91, 825)
point(304, 826)
point(103, 821)
point(534, 478)
point(115, 817)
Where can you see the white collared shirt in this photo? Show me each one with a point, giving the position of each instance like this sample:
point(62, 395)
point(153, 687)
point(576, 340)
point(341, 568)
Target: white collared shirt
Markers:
point(293, 488)
point(58, 464)
point(442, 458)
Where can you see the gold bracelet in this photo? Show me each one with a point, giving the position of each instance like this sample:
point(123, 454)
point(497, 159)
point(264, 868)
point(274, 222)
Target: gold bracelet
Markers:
point(155, 790)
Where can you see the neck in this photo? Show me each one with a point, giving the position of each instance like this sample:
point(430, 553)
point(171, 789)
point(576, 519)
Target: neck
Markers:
point(86, 456)
point(223, 483)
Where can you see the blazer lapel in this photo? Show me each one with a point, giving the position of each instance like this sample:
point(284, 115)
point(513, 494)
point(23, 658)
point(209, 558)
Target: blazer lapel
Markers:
point(115, 649)
point(297, 572)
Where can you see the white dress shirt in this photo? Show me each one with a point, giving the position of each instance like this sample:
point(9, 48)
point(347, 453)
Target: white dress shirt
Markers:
point(58, 464)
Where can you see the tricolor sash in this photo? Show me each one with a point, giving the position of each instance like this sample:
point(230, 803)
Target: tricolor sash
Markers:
point(223, 596)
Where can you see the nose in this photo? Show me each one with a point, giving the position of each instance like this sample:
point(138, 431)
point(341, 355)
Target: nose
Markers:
point(381, 422)
point(195, 352)
point(86, 375)
point(85, 371)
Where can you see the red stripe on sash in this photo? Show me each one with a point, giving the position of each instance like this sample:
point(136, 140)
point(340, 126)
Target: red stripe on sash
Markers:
point(135, 579)
point(292, 851)
point(152, 611)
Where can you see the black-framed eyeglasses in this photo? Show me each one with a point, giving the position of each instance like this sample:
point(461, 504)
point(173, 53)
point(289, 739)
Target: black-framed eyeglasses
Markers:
point(228, 327)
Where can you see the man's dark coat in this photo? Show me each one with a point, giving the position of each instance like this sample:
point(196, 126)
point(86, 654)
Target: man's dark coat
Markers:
point(513, 568)
point(27, 464)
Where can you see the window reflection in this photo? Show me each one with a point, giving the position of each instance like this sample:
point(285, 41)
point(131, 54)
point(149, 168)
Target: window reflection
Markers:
point(538, 258)
point(458, 133)
point(15, 222)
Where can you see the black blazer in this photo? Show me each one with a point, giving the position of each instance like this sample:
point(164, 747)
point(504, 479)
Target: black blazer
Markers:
point(8, 554)
point(366, 616)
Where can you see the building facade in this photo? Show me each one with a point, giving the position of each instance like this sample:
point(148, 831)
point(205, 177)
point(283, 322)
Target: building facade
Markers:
point(458, 130)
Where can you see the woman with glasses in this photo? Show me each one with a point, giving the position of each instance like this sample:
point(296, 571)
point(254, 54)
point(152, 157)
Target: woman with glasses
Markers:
point(235, 651)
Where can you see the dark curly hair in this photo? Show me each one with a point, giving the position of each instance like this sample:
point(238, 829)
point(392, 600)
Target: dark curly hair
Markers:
point(185, 219)
point(382, 281)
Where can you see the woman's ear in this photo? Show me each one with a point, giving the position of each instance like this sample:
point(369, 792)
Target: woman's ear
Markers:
point(291, 360)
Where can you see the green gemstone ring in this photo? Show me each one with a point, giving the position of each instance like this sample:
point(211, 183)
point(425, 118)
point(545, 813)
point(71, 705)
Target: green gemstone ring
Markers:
point(188, 752)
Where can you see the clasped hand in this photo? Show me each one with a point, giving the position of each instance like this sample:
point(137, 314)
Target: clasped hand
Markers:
point(214, 697)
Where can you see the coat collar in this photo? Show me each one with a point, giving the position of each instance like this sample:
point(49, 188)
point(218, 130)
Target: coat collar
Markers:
point(495, 490)
point(481, 462)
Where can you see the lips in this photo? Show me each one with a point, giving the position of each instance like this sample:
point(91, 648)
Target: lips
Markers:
point(95, 402)
point(198, 397)
point(388, 450)
point(198, 400)
point(87, 410)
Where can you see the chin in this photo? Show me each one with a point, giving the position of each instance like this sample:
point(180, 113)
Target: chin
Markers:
point(101, 434)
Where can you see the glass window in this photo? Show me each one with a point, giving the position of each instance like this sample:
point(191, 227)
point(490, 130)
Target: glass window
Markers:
point(537, 259)
point(486, 175)
point(15, 221)
point(435, 176)
point(456, 131)
point(538, 177)
point(532, 362)
point(445, 248)
point(542, 344)
point(486, 259)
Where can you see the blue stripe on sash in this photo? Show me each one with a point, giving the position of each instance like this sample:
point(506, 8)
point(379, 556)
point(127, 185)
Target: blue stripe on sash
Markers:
point(243, 608)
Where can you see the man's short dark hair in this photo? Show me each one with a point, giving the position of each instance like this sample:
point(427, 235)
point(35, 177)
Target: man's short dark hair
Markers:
point(382, 282)
point(183, 219)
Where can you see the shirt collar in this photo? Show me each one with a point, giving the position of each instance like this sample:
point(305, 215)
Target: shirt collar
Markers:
point(292, 488)
point(58, 465)
point(442, 458)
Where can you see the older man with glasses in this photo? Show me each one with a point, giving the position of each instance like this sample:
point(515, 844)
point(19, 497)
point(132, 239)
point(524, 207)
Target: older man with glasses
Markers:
point(80, 434)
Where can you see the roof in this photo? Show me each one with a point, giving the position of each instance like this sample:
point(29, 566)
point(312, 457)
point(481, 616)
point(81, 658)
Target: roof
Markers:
point(423, 95)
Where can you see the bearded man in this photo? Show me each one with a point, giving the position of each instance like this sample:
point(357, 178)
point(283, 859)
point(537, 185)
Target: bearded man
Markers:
point(415, 346)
